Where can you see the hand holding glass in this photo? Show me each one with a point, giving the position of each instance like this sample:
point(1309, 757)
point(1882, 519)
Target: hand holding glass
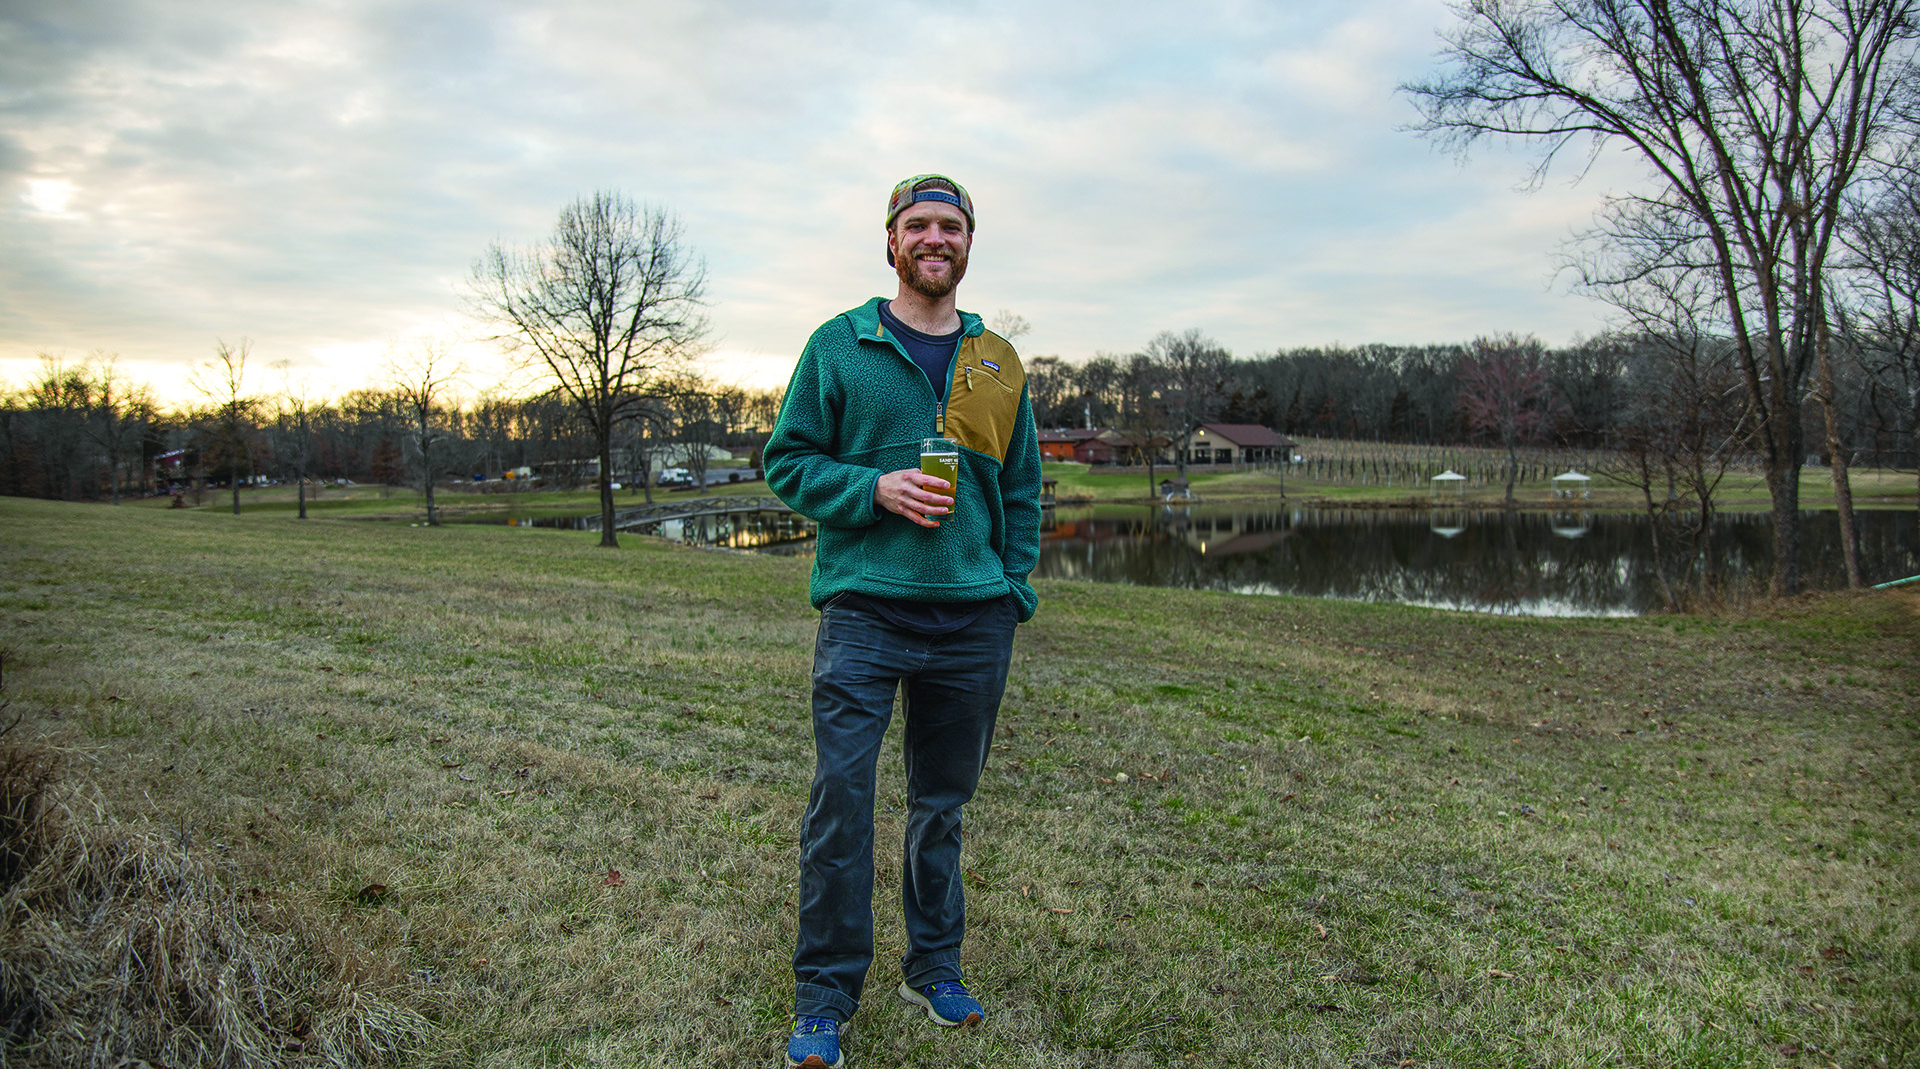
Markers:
point(940, 458)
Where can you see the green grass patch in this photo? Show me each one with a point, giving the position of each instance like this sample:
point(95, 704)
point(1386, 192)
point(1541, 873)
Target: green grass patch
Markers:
point(1347, 834)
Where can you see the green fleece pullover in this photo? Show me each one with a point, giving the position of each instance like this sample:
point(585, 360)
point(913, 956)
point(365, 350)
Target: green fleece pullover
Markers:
point(856, 408)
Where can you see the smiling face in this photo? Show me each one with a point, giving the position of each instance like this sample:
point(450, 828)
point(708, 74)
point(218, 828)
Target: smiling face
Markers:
point(929, 243)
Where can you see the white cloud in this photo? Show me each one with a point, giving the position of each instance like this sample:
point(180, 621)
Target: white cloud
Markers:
point(319, 177)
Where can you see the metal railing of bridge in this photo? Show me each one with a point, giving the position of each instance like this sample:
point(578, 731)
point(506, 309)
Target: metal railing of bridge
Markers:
point(692, 508)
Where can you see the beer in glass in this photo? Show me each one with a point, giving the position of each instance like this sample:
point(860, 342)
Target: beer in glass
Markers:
point(940, 458)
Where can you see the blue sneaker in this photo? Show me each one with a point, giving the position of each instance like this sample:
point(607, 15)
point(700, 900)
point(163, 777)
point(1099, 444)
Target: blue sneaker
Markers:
point(947, 1003)
point(815, 1044)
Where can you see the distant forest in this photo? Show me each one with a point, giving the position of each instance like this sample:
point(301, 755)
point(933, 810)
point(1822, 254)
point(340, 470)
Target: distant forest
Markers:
point(82, 430)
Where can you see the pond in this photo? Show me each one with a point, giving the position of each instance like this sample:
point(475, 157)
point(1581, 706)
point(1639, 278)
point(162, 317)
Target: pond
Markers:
point(1524, 563)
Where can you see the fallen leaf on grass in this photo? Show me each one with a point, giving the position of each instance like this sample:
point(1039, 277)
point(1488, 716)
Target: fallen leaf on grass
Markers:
point(614, 879)
point(1500, 974)
point(1321, 929)
point(1057, 909)
point(505, 794)
point(370, 894)
point(1289, 797)
point(464, 777)
point(1323, 1007)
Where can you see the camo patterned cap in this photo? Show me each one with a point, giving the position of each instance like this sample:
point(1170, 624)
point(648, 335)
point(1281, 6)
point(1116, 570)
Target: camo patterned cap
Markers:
point(929, 187)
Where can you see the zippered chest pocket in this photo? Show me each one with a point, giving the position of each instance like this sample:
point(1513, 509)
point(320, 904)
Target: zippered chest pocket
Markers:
point(971, 372)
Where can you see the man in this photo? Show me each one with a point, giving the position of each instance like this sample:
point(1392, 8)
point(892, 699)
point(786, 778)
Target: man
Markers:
point(919, 583)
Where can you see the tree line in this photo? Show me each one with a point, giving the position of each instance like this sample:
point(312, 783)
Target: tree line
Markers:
point(82, 430)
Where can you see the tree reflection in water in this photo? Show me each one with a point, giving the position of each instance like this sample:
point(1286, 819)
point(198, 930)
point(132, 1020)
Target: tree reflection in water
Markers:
point(1528, 563)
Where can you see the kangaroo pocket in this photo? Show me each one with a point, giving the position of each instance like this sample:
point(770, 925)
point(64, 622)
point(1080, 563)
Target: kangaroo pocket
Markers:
point(952, 562)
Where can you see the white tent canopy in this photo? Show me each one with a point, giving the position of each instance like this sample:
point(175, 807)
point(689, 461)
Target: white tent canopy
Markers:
point(1569, 481)
point(1451, 482)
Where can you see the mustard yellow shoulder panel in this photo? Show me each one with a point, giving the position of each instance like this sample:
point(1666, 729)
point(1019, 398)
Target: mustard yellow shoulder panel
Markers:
point(984, 401)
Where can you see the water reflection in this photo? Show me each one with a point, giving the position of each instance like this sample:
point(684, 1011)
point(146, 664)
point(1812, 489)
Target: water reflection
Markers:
point(1571, 563)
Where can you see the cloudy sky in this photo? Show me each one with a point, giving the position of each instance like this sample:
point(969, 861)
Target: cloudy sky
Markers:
point(318, 177)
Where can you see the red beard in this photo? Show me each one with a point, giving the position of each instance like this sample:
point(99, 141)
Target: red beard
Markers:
point(908, 268)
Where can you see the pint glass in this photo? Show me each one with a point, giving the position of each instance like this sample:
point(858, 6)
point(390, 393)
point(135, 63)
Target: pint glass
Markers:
point(940, 458)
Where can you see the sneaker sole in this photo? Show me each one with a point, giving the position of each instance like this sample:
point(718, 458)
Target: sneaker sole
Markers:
point(814, 1061)
point(921, 1001)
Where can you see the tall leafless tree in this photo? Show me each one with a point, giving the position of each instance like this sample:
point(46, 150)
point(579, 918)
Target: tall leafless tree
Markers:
point(295, 416)
point(1143, 415)
point(118, 412)
point(1882, 293)
point(1503, 392)
point(601, 310)
point(422, 376)
point(1193, 378)
point(1754, 118)
point(222, 381)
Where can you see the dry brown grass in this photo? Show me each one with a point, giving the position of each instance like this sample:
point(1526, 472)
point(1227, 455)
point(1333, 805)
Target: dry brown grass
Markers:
point(125, 946)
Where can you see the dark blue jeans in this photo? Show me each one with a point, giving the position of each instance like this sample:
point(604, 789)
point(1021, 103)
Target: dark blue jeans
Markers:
point(953, 685)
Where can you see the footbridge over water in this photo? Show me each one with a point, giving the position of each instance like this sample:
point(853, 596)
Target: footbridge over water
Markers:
point(692, 508)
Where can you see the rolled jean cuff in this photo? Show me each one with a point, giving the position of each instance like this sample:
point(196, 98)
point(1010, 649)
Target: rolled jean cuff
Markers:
point(812, 1000)
point(935, 967)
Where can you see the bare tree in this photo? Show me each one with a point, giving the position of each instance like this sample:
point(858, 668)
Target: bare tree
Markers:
point(1143, 410)
point(647, 432)
point(1011, 325)
point(1049, 385)
point(422, 376)
point(1753, 117)
point(691, 398)
point(1882, 288)
point(118, 410)
point(295, 417)
point(222, 381)
point(1676, 435)
point(1503, 392)
point(1193, 375)
point(600, 310)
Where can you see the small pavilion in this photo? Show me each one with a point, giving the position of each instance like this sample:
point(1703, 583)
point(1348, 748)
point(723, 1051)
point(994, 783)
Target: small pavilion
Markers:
point(1571, 483)
point(1450, 482)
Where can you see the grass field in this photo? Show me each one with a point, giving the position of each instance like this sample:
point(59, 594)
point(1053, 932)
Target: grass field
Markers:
point(546, 797)
point(1335, 474)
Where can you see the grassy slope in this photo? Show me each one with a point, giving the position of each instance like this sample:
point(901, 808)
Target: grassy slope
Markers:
point(1872, 488)
point(1387, 834)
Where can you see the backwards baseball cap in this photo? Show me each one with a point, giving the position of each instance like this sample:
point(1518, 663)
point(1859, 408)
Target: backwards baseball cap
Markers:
point(921, 187)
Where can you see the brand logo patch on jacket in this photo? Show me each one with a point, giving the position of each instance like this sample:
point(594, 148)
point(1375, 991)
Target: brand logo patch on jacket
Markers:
point(991, 364)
